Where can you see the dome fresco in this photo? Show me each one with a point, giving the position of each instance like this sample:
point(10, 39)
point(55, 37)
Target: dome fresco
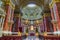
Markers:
point(32, 12)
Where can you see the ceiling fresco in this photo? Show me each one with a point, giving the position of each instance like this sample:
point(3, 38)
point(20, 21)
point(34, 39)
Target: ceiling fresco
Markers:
point(32, 13)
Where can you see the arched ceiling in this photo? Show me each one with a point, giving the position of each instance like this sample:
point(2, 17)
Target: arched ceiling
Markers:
point(25, 2)
point(37, 2)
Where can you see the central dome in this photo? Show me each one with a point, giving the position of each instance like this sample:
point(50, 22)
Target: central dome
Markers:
point(32, 12)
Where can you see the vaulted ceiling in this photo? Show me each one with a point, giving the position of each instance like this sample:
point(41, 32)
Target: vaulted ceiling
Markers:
point(32, 13)
point(23, 3)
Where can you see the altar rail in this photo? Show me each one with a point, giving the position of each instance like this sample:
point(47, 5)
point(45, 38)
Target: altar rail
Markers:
point(20, 38)
point(11, 38)
point(52, 37)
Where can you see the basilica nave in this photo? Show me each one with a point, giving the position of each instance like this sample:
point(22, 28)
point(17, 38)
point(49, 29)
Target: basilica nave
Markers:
point(29, 19)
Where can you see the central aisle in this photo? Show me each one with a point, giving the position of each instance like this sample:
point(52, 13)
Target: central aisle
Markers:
point(32, 38)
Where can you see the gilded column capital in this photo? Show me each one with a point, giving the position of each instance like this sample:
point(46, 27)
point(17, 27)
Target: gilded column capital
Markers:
point(53, 2)
point(56, 1)
point(7, 1)
point(46, 15)
point(17, 15)
point(10, 3)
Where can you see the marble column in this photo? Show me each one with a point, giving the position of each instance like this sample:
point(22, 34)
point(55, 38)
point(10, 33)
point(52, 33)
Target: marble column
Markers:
point(7, 17)
point(12, 15)
point(52, 15)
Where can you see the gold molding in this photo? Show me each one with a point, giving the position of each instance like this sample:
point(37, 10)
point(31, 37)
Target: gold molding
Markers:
point(46, 15)
point(9, 2)
point(53, 2)
point(3, 12)
point(56, 1)
point(17, 15)
point(2, 16)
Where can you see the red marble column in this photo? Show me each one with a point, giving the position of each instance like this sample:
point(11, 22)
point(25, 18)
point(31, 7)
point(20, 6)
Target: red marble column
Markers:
point(55, 14)
point(42, 28)
point(47, 23)
point(44, 23)
point(16, 27)
point(6, 18)
point(12, 15)
point(58, 13)
point(17, 24)
point(52, 15)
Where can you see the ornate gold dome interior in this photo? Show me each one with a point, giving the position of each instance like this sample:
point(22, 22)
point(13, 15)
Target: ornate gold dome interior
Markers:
point(32, 13)
point(41, 3)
